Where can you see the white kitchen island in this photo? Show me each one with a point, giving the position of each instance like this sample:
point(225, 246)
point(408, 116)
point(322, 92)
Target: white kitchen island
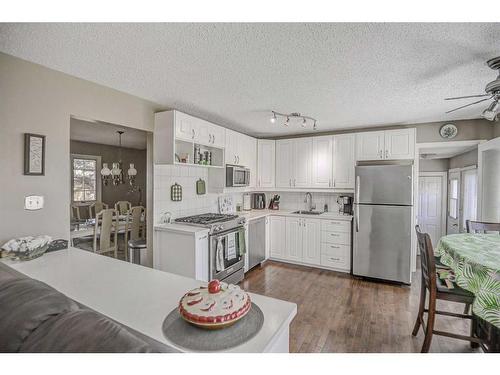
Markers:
point(141, 297)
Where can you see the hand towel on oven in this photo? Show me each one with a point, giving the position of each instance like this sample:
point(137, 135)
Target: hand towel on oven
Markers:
point(219, 256)
point(231, 246)
point(241, 240)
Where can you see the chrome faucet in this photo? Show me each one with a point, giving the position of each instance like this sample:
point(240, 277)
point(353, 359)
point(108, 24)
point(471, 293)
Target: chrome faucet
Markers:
point(309, 198)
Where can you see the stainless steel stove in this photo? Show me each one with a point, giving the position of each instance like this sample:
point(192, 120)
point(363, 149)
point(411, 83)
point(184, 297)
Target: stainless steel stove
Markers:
point(216, 223)
point(226, 260)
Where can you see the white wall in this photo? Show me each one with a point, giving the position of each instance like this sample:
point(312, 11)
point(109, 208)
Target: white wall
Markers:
point(35, 99)
point(491, 186)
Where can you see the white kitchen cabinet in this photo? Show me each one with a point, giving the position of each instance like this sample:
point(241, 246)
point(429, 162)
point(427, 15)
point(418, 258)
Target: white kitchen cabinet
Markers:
point(186, 126)
point(294, 236)
point(311, 243)
point(321, 176)
point(302, 157)
point(240, 149)
point(395, 144)
point(231, 147)
point(293, 162)
point(277, 237)
point(343, 161)
point(266, 163)
point(370, 145)
point(284, 163)
point(399, 144)
point(209, 134)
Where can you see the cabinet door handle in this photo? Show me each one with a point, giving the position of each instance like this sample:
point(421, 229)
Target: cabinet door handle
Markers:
point(333, 183)
point(210, 138)
point(192, 132)
point(330, 182)
point(336, 259)
point(234, 159)
point(213, 138)
point(259, 181)
point(334, 247)
point(334, 235)
point(387, 154)
point(294, 182)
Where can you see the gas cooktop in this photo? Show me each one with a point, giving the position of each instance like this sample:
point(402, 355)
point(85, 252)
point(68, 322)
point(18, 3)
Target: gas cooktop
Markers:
point(206, 219)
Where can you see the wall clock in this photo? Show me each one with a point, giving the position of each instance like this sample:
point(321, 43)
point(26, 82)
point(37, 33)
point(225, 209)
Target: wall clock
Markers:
point(448, 131)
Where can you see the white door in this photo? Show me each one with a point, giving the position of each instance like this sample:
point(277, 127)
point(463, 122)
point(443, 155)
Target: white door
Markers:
point(185, 127)
point(343, 161)
point(302, 161)
point(266, 163)
point(453, 222)
point(399, 144)
point(321, 176)
point(284, 163)
point(277, 237)
point(311, 241)
point(430, 206)
point(294, 239)
point(370, 145)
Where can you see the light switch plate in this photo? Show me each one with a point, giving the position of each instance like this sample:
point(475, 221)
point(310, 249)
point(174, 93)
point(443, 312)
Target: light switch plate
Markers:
point(33, 202)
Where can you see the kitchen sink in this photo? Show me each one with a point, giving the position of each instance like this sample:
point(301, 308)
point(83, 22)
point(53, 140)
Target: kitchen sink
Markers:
point(304, 212)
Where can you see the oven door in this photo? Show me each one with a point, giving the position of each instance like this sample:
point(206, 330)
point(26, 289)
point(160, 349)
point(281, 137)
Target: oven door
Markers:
point(229, 260)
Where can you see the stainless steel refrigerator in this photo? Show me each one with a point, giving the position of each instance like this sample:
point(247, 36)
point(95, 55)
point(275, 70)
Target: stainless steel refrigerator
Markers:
point(383, 208)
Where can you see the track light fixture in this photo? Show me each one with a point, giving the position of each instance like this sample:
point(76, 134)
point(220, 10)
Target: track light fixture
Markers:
point(491, 112)
point(293, 115)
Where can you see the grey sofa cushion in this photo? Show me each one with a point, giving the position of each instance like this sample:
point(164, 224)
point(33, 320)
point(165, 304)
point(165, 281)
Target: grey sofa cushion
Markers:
point(83, 331)
point(25, 305)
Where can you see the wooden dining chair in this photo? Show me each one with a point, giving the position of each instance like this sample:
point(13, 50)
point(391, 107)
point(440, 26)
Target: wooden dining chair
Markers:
point(135, 227)
point(437, 290)
point(106, 232)
point(123, 207)
point(482, 227)
point(97, 207)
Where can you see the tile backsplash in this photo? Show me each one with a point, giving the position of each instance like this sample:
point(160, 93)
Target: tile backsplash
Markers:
point(166, 175)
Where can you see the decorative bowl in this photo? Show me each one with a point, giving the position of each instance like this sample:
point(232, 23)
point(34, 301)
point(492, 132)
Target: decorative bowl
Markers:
point(217, 306)
point(26, 248)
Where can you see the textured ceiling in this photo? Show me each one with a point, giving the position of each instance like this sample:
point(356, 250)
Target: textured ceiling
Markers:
point(105, 133)
point(345, 75)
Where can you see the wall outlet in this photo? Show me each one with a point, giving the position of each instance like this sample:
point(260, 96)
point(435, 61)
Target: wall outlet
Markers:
point(33, 202)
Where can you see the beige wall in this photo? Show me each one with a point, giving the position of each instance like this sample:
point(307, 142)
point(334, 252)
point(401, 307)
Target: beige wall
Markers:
point(111, 193)
point(38, 100)
point(467, 130)
point(434, 165)
point(464, 160)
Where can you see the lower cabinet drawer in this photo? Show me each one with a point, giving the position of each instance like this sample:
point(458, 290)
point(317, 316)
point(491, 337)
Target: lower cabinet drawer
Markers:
point(335, 256)
point(341, 238)
point(336, 225)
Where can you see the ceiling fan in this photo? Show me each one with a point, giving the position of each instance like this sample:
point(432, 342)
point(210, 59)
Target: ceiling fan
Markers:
point(492, 92)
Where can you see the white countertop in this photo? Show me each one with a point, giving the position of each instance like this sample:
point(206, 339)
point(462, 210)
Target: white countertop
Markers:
point(137, 296)
point(256, 214)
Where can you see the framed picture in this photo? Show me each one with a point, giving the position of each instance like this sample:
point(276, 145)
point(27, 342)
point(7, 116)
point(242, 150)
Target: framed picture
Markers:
point(34, 154)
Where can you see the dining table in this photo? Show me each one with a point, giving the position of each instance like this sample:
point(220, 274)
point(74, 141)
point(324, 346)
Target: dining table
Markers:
point(474, 259)
point(85, 228)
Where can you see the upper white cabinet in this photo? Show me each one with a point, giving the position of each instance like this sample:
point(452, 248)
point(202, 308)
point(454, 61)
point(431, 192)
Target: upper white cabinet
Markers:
point(370, 145)
point(400, 144)
point(266, 152)
point(241, 149)
point(321, 176)
point(386, 145)
point(293, 162)
point(209, 134)
point(284, 163)
point(343, 161)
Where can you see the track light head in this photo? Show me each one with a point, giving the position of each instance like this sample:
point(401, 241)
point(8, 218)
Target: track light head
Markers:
point(273, 119)
point(491, 112)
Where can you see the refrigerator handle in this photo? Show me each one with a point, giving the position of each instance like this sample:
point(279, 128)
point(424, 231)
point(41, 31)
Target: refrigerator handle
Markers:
point(356, 203)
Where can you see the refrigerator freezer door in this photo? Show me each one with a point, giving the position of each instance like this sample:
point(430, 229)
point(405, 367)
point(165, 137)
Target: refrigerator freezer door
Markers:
point(384, 184)
point(382, 242)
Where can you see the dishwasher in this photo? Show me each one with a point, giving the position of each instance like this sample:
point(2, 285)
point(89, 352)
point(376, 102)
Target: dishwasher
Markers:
point(256, 242)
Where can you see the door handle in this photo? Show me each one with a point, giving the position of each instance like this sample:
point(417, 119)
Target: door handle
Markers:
point(192, 132)
point(213, 138)
point(210, 138)
point(387, 154)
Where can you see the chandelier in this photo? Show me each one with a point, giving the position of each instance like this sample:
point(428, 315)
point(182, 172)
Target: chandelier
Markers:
point(305, 120)
point(115, 174)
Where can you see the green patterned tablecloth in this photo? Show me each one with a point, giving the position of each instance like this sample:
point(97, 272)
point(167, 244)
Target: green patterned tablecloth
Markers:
point(475, 259)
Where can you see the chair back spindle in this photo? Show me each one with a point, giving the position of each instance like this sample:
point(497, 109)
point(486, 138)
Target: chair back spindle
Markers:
point(428, 265)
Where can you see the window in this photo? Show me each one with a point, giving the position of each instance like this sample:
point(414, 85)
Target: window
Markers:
point(453, 200)
point(85, 180)
point(469, 178)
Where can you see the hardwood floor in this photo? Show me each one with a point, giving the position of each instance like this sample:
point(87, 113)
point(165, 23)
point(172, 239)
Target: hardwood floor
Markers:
point(339, 313)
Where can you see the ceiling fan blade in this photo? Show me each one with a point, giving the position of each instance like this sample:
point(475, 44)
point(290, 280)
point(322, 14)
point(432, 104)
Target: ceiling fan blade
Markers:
point(467, 105)
point(469, 96)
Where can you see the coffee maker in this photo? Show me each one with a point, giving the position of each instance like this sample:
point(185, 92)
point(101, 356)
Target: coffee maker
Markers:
point(345, 204)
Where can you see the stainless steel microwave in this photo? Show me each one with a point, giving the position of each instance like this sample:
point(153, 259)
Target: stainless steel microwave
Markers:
point(237, 175)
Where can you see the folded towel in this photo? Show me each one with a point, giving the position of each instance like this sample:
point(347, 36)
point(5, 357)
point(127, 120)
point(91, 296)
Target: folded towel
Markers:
point(231, 246)
point(241, 241)
point(219, 256)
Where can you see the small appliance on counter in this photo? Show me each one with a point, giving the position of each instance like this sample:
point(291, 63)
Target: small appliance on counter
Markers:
point(247, 202)
point(345, 205)
point(258, 201)
point(274, 203)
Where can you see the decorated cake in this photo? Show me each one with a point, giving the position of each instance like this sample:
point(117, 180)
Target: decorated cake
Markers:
point(217, 306)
